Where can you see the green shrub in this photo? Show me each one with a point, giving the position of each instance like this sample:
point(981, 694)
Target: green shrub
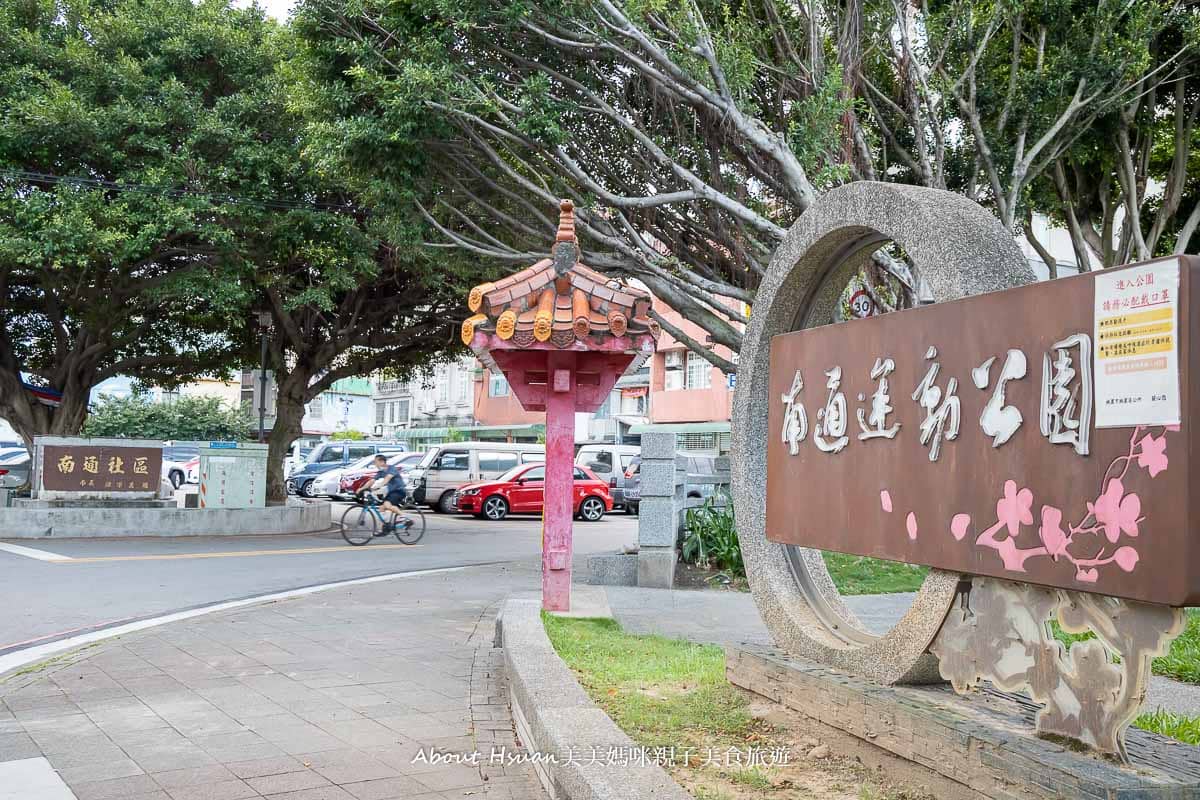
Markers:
point(710, 537)
point(187, 418)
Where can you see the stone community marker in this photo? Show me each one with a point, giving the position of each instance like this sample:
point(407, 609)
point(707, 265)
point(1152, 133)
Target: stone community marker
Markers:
point(72, 468)
point(562, 334)
point(1033, 445)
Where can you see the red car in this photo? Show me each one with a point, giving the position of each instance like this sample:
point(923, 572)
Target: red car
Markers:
point(520, 491)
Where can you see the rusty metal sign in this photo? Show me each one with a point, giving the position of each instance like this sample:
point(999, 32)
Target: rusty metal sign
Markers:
point(964, 435)
point(68, 468)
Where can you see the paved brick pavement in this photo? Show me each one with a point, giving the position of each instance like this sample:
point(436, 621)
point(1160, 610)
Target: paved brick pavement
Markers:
point(326, 697)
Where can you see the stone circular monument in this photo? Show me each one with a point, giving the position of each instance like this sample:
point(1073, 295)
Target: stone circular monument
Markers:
point(959, 249)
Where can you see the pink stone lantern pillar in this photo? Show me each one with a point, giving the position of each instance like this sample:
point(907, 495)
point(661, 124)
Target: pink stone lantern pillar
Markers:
point(562, 334)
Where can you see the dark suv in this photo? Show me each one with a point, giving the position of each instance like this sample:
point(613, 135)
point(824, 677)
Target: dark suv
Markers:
point(696, 465)
point(335, 455)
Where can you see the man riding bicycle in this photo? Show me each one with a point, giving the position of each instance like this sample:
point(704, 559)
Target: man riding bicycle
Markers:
point(391, 482)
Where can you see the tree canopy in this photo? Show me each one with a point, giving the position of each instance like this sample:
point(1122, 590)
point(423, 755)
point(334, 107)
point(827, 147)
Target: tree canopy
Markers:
point(136, 145)
point(158, 185)
point(694, 132)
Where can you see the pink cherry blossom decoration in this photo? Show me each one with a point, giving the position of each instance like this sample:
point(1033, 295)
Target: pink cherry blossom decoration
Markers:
point(885, 500)
point(1015, 508)
point(1087, 575)
point(1051, 532)
point(1116, 511)
point(1172, 428)
point(910, 522)
point(1126, 558)
point(1154, 454)
point(959, 525)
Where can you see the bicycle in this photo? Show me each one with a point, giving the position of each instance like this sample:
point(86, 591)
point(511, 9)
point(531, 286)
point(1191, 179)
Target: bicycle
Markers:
point(370, 524)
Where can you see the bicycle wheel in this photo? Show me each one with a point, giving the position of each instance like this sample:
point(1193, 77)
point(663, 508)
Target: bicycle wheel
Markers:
point(358, 525)
point(413, 533)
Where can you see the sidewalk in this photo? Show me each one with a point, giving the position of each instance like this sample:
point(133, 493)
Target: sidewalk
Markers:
point(732, 618)
point(330, 696)
point(324, 697)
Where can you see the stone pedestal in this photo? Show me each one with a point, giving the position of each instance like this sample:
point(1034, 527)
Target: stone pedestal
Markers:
point(981, 741)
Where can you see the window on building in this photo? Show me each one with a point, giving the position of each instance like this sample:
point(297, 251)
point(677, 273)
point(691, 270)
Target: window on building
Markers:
point(605, 409)
point(380, 413)
point(633, 403)
point(497, 384)
point(699, 372)
point(402, 411)
point(462, 381)
point(316, 409)
point(443, 383)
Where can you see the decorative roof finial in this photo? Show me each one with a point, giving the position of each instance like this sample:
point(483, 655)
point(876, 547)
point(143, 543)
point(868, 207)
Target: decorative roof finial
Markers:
point(566, 222)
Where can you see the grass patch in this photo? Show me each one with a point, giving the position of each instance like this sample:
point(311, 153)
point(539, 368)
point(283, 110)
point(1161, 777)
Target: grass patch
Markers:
point(864, 575)
point(1182, 661)
point(1177, 726)
point(662, 692)
point(669, 693)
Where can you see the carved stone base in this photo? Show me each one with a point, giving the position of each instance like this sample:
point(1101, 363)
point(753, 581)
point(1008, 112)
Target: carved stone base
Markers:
point(1000, 631)
point(982, 741)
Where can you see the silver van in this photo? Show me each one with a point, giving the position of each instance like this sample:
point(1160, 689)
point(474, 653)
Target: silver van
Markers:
point(609, 462)
point(446, 467)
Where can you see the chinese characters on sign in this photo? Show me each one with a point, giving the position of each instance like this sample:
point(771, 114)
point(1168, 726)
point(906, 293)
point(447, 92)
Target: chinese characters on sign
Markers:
point(967, 436)
point(1137, 346)
point(1065, 412)
point(71, 468)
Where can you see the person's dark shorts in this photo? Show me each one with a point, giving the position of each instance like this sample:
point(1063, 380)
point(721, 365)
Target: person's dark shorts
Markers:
point(396, 497)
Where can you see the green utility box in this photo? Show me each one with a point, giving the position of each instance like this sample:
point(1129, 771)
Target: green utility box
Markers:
point(233, 475)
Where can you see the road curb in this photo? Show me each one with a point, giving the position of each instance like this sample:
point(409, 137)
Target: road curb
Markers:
point(558, 723)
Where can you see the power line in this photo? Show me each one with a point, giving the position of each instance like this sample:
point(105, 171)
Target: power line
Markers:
point(47, 179)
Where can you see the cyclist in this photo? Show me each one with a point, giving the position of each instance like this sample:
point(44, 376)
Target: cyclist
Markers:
point(391, 482)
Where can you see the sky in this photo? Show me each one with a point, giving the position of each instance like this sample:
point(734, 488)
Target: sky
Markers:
point(276, 8)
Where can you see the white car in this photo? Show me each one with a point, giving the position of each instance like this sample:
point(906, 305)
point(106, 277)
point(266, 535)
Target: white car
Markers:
point(329, 483)
point(176, 462)
point(14, 467)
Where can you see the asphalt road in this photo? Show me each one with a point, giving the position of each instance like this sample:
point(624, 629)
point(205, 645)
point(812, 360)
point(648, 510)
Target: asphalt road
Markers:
point(107, 581)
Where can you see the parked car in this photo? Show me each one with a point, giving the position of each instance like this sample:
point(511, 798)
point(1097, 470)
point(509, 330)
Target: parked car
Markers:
point(696, 465)
point(446, 467)
point(609, 462)
point(335, 455)
point(633, 486)
point(175, 460)
point(14, 468)
point(521, 491)
point(296, 458)
point(329, 483)
point(352, 481)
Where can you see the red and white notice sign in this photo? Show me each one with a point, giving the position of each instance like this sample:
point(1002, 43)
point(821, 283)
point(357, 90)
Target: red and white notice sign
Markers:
point(1136, 346)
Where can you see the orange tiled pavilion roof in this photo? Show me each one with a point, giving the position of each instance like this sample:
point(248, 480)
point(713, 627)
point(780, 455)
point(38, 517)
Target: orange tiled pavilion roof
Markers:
point(559, 300)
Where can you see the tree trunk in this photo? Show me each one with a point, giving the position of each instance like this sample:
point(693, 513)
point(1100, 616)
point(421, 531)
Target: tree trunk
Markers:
point(30, 418)
point(289, 411)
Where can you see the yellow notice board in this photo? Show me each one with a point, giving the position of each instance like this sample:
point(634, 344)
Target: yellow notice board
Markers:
point(1137, 346)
